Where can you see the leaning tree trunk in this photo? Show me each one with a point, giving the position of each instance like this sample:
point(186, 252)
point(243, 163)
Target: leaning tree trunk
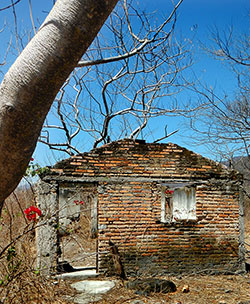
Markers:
point(30, 86)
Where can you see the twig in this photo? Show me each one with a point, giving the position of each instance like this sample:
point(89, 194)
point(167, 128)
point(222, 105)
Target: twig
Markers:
point(9, 6)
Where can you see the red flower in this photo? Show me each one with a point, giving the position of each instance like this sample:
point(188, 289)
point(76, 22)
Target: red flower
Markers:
point(169, 191)
point(78, 202)
point(31, 213)
point(31, 159)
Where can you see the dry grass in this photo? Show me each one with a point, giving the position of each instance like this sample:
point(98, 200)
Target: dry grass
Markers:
point(20, 282)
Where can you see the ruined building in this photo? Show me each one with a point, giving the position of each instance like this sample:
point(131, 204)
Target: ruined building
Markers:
point(167, 209)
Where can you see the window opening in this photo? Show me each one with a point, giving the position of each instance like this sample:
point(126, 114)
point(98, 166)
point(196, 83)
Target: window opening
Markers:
point(178, 203)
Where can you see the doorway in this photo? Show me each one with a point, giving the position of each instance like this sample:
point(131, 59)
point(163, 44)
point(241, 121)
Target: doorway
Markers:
point(78, 234)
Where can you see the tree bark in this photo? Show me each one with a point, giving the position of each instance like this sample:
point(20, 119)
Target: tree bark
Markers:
point(30, 86)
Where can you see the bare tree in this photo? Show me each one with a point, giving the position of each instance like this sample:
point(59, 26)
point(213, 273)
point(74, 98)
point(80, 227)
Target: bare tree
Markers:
point(224, 124)
point(31, 84)
point(126, 78)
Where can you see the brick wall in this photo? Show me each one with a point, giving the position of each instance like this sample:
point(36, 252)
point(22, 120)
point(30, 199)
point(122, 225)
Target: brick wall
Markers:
point(130, 175)
point(129, 215)
point(128, 158)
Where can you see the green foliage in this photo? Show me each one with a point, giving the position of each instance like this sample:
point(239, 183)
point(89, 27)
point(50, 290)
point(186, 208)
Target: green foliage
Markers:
point(35, 169)
point(13, 266)
point(13, 262)
point(37, 272)
point(11, 253)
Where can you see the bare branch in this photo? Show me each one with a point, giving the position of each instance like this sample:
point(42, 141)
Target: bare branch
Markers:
point(114, 58)
point(142, 43)
point(31, 17)
point(166, 135)
point(133, 80)
point(6, 53)
point(9, 6)
point(224, 124)
point(15, 19)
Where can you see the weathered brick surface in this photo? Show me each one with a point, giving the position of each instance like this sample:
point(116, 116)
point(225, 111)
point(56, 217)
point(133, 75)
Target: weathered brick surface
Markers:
point(128, 158)
point(130, 217)
point(130, 175)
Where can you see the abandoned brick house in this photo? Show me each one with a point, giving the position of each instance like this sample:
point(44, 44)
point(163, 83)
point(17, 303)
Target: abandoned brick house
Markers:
point(167, 209)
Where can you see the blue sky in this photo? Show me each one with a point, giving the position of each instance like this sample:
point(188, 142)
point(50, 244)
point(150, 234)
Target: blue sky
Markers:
point(195, 21)
point(195, 18)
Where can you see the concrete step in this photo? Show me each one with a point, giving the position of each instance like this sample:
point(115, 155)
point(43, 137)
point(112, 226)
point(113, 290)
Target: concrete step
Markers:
point(78, 275)
point(91, 291)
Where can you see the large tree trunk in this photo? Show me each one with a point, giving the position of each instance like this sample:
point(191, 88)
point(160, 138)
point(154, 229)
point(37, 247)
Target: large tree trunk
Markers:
point(31, 84)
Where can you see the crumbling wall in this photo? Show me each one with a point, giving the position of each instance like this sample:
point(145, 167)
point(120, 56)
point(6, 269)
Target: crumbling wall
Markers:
point(130, 175)
point(129, 159)
point(62, 204)
point(74, 199)
point(129, 216)
point(47, 232)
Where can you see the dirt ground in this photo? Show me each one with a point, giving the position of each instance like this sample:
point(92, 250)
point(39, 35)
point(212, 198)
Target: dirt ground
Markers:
point(219, 289)
point(247, 239)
